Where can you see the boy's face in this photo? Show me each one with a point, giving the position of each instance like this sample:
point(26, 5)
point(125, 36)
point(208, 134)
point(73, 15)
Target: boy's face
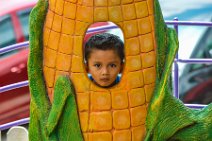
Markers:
point(104, 66)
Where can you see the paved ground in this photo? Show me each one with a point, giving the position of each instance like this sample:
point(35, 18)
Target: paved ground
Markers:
point(4, 133)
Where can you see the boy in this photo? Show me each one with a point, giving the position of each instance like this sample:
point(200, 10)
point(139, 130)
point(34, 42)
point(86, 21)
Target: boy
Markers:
point(104, 58)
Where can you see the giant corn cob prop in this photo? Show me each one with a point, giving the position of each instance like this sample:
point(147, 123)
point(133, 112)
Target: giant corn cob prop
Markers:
point(67, 106)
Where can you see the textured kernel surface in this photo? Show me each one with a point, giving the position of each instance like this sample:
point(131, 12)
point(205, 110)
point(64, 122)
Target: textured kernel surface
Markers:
point(116, 113)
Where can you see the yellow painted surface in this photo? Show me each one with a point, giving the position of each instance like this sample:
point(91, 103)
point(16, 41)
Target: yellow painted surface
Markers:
point(119, 99)
point(117, 113)
point(122, 135)
point(100, 136)
point(121, 119)
point(137, 97)
point(132, 46)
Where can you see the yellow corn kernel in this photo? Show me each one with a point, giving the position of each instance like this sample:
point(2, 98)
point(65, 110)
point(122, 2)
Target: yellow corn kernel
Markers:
point(86, 2)
point(133, 63)
point(77, 64)
point(136, 97)
point(59, 7)
point(84, 120)
point(65, 44)
point(100, 3)
point(149, 91)
point(151, 17)
point(119, 99)
point(138, 115)
point(84, 13)
point(77, 50)
point(49, 57)
point(149, 75)
point(141, 9)
point(150, 6)
point(63, 62)
point(53, 40)
point(100, 101)
point(120, 25)
point(67, 23)
point(81, 28)
point(52, 4)
point(85, 136)
point(138, 0)
point(100, 136)
point(49, 77)
point(72, 1)
point(129, 12)
point(132, 46)
point(69, 10)
point(122, 135)
point(115, 14)
point(96, 88)
point(146, 42)
point(130, 29)
point(114, 2)
point(126, 1)
point(49, 19)
point(57, 23)
point(80, 77)
point(100, 14)
point(138, 133)
point(46, 36)
point(135, 79)
point(83, 101)
point(148, 59)
point(144, 25)
point(121, 119)
point(100, 121)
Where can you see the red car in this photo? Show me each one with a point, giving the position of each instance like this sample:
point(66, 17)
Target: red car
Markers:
point(14, 103)
point(14, 17)
point(13, 29)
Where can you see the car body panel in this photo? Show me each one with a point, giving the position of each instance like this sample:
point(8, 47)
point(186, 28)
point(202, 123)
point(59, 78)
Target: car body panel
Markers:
point(14, 103)
point(11, 8)
point(13, 65)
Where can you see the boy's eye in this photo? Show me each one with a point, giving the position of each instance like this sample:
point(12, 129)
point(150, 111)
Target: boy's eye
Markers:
point(112, 65)
point(97, 65)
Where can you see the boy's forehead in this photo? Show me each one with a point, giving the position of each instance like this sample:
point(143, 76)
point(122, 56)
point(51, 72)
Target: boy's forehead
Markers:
point(104, 54)
point(101, 51)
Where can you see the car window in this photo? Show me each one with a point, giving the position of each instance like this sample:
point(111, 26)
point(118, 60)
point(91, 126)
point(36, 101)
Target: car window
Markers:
point(203, 50)
point(7, 34)
point(24, 20)
point(195, 82)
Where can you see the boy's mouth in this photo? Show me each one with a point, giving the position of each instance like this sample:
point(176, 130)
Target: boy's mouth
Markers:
point(105, 79)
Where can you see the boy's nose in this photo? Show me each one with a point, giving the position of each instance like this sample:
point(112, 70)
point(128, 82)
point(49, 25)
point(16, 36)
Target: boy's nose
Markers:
point(105, 71)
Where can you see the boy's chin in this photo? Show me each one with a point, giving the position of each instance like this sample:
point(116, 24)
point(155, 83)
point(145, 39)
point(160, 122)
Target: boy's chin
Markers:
point(106, 85)
point(103, 85)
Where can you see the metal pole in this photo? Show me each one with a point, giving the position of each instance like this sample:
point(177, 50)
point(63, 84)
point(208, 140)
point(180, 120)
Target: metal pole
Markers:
point(14, 47)
point(14, 86)
point(176, 68)
point(14, 123)
point(192, 23)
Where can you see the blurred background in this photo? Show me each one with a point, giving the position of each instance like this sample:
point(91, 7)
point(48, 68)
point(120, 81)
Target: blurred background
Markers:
point(195, 82)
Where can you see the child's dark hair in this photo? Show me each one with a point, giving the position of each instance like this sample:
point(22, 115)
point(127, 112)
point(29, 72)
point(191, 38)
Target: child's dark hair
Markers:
point(104, 41)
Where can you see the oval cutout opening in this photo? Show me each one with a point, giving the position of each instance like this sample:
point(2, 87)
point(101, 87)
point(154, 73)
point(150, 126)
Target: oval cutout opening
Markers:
point(104, 55)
